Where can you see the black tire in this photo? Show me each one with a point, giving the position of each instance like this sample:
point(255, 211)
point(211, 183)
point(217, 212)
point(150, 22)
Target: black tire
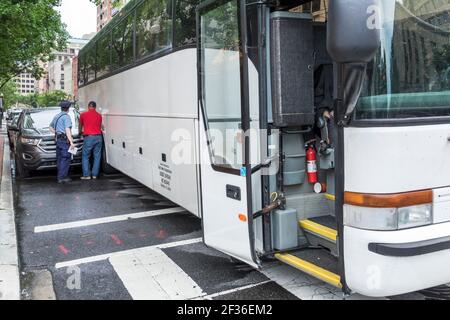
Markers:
point(106, 167)
point(21, 171)
point(11, 146)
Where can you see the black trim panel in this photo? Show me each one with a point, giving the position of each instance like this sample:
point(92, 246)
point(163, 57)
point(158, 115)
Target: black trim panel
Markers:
point(412, 249)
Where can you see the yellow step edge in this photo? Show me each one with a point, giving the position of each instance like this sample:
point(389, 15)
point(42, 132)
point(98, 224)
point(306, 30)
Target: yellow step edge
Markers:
point(330, 197)
point(319, 229)
point(311, 269)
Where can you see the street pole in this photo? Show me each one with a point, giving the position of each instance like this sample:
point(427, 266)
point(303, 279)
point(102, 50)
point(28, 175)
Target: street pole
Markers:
point(1, 110)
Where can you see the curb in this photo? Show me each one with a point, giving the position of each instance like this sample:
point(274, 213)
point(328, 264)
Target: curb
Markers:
point(9, 260)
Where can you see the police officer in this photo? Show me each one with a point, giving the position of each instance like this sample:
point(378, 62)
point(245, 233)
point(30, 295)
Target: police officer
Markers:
point(61, 126)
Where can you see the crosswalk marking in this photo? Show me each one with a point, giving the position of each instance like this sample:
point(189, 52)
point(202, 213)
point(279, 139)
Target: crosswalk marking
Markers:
point(223, 293)
point(149, 274)
point(107, 256)
point(118, 218)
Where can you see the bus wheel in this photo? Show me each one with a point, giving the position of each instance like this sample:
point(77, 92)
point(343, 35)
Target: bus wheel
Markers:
point(106, 167)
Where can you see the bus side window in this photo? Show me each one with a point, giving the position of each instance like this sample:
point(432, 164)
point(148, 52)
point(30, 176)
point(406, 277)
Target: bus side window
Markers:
point(103, 54)
point(185, 22)
point(122, 44)
point(153, 27)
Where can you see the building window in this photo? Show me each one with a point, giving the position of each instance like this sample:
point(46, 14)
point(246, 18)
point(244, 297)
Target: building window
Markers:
point(316, 5)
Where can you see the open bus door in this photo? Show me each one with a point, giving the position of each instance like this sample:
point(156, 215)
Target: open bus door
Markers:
point(224, 117)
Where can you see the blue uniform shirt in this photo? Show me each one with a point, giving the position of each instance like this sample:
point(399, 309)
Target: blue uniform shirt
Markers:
point(62, 121)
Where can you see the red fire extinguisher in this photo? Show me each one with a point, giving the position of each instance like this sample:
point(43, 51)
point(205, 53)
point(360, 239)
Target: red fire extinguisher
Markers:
point(311, 161)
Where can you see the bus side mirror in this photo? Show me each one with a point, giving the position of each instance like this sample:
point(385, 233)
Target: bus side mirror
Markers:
point(353, 34)
point(353, 39)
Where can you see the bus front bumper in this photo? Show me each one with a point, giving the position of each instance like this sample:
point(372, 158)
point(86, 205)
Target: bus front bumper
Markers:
point(388, 263)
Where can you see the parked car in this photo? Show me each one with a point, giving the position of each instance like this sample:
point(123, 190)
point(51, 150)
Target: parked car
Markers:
point(12, 113)
point(35, 145)
point(12, 130)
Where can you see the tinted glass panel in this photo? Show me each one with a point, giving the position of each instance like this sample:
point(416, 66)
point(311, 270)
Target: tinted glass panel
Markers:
point(81, 70)
point(410, 75)
point(90, 63)
point(185, 22)
point(221, 82)
point(122, 43)
point(153, 27)
point(103, 55)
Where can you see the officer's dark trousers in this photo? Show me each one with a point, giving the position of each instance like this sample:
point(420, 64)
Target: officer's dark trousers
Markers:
point(63, 158)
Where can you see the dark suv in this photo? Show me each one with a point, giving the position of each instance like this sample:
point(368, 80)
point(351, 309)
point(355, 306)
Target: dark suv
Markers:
point(35, 146)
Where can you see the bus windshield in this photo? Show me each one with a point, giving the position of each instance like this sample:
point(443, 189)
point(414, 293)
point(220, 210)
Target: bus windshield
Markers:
point(410, 75)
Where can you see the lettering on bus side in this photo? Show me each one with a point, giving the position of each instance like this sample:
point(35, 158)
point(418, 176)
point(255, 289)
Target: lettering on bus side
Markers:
point(166, 176)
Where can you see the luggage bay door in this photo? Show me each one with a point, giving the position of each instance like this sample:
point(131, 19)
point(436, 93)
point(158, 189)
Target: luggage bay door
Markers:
point(224, 148)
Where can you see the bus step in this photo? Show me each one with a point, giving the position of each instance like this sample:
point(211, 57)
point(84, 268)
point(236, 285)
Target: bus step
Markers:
point(316, 262)
point(321, 231)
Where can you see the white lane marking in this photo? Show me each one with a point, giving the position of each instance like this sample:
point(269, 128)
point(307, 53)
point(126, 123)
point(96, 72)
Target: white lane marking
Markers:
point(149, 274)
point(114, 254)
point(91, 222)
point(223, 293)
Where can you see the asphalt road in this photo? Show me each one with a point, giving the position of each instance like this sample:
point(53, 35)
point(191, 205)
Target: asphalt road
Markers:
point(114, 239)
point(114, 272)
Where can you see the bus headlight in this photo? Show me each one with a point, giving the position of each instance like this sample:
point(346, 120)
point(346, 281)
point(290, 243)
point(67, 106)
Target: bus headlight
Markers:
point(415, 216)
point(388, 219)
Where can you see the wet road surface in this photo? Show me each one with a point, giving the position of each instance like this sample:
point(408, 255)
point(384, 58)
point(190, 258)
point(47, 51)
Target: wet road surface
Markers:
point(116, 239)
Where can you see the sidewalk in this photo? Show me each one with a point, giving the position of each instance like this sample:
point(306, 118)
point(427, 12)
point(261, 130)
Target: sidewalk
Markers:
point(9, 262)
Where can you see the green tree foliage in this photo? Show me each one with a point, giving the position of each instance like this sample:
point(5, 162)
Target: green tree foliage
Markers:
point(35, 100)
point(115, 3)
point(43, 100)
point(221, 24)
point(51, 99)
point(30, 31)
point(9, 94)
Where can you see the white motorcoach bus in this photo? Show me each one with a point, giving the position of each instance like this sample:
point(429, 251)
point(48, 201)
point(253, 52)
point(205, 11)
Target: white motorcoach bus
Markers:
point(325, 145)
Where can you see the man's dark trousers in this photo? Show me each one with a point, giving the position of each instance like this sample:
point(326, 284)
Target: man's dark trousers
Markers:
point(63, 158)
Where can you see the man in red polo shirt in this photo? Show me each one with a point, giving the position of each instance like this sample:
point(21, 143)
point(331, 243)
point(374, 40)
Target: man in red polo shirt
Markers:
point(91, 128)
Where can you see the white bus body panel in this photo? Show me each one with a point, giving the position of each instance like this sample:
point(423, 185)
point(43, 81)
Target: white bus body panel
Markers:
point(397, 159)
point(156, 136)
point(165, 87)
point(153, 107)
point(375, 275)
point(223, 230)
